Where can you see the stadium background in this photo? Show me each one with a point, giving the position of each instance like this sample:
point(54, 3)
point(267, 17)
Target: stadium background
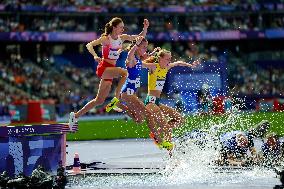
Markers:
point(43, 56)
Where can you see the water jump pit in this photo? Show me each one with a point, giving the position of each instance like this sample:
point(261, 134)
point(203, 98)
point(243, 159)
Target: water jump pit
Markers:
point(24, 148)
point(142, 170)
point(122, 164)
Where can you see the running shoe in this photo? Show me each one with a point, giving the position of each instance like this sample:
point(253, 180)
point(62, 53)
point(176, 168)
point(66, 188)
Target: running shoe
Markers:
point(117, 109)
point(166, 145)
point(112, 104)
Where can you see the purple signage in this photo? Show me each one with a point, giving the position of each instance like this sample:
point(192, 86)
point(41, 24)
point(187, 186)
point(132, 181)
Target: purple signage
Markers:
point(169, 8)
point(221, 35)
point(159, 36)
point(72, 36)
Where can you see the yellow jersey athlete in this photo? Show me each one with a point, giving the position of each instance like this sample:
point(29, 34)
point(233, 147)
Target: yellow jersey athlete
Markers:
point(156, 82)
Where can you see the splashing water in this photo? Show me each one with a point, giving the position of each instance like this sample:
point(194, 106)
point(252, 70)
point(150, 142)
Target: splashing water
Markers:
point(188, 166)
point(191, 164)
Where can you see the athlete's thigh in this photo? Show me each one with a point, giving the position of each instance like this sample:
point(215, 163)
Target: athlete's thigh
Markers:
point(104, 88)
point(113, 72)
point(134, 105)
point(171, 112)
point(155, 110)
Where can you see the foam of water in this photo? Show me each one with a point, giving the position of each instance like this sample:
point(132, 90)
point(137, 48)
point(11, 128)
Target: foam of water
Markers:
point(191, 164)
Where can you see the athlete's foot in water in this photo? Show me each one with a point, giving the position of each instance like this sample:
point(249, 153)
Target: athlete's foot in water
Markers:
point(166, 145)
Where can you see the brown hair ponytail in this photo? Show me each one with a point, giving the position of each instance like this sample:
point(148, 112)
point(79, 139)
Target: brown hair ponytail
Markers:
point(109, 26)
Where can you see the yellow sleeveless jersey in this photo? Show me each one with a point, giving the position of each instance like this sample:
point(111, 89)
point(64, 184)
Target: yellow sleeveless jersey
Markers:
point(156, 80)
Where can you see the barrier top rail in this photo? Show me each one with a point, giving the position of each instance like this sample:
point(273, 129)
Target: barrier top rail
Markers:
point(16, 131)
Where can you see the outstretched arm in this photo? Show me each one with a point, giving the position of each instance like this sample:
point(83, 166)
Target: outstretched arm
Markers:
point(126, 37)
point(182, 63)
point(150, 66)
point(130, 61)
point(94, 43)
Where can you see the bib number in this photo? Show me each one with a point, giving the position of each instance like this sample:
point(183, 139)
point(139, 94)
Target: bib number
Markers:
point(160, 84)
point(152, 99)
point(137, 83)
point(129, 91)
point(113, 54)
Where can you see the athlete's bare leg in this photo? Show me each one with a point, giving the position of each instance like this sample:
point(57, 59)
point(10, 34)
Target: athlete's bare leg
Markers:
point(104, 88)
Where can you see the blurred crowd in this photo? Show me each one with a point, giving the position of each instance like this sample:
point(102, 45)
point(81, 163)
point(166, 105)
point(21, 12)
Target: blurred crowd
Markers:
point(11, 24)
point(250, 79)
point(29, 78)
point(71, 87)
point(158, 23)
point(8, 95)
point(258, 81)
point(86, 78)
point(143, 5)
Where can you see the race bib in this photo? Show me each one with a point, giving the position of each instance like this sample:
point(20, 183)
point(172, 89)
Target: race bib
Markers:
point(138, 66)
point(129, 91)
point(152, 99)
point(137, 82)
point(160, 84)
point(113, 54)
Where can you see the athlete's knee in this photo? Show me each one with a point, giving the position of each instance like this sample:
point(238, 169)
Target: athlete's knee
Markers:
point(123, 73)
point(140, 120)
point(150, 116)
point(147, 112)
point(179, 118)
point(154, 109)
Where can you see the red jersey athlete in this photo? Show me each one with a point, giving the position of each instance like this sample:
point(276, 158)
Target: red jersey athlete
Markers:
point(111, 41)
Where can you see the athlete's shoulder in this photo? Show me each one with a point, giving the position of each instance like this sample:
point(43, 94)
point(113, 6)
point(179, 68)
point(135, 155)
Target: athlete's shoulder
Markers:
point(104, 39)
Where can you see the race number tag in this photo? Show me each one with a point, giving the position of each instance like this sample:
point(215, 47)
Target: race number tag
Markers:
point(137, 82)
point(160, 84)
point(152, 99)
point(130, 91)
point(113, 54)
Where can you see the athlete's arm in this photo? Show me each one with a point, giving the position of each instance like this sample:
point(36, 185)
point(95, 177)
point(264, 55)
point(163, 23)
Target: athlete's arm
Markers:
point(94, 43)
point(126, 37)
point(182, 63)
point(130, 61)
point(150, 66)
